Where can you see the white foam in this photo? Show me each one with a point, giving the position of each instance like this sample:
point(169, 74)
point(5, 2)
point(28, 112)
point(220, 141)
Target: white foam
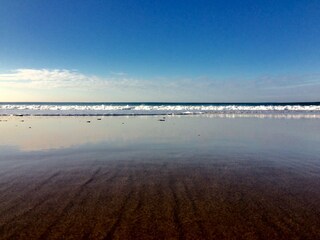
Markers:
point(145, 109)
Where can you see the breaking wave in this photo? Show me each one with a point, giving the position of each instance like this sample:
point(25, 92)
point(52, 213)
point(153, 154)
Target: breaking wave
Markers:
point(106, 109)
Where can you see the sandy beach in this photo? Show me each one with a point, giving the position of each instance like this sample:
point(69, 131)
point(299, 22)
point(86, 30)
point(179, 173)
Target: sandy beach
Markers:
point(181, 185)
point(159, 120)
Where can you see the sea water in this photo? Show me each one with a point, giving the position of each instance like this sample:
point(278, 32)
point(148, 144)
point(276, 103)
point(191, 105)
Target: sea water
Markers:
point(154, 108)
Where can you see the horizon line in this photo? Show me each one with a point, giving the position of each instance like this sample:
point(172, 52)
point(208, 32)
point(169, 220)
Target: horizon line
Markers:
point(166, 102)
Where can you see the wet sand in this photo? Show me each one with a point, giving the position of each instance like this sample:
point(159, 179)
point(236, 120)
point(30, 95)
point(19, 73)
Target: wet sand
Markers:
point(62, 194)
point(130, 200)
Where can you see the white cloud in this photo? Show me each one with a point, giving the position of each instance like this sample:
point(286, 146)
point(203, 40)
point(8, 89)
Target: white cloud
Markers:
point(43, 78)
point(62, 78)
point(71, 85)
point(118, 73)
point(62, 84)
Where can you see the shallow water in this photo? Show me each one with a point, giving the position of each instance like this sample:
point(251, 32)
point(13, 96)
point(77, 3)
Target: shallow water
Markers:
point(188, 177)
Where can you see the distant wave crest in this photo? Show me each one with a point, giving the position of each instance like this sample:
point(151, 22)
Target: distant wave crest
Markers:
point(154, 109)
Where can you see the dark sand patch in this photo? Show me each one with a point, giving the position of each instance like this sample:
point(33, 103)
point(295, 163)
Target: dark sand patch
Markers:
point(132, 200)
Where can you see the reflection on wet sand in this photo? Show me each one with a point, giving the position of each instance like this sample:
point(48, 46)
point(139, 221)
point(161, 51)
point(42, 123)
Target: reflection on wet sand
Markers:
point(45, 133)
point(240, 179)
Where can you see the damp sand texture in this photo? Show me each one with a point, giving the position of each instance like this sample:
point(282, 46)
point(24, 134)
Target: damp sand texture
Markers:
point(162, 193)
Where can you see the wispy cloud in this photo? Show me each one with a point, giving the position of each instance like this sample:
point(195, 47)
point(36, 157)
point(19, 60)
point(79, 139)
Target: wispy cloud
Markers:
point(118, 73)
point(62, 78)
point(120, 86)
point(287, 81)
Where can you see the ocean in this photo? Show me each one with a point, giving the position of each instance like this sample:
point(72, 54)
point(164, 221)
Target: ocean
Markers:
point(153, 108)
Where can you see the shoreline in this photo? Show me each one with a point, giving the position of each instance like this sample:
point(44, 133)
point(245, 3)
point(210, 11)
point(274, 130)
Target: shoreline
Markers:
point(217, 114)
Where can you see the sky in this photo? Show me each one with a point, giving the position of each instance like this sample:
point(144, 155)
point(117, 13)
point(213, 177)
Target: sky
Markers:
point(142, 50)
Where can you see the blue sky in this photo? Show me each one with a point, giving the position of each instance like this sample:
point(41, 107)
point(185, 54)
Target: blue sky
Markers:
point(159, 50)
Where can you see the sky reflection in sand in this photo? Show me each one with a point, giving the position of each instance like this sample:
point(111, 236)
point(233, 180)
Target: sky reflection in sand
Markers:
point(210, 133)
